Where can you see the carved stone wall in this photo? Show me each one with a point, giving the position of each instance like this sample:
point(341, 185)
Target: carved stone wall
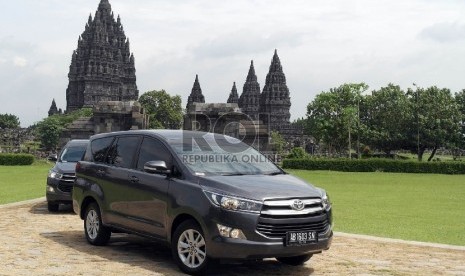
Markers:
point(107, 117)
point(12, 139)
point(228, 119)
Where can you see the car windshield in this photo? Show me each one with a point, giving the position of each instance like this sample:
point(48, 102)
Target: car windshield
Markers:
point(72, 154)
point(221, 155)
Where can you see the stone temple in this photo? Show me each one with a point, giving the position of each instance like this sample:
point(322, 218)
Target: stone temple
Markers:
point(250, 116)
point(102, 67)
point(102, 76)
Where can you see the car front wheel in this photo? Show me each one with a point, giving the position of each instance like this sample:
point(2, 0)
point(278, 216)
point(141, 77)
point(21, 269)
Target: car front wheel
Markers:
point(189, 248)
point(295, 260)
point(96, 233)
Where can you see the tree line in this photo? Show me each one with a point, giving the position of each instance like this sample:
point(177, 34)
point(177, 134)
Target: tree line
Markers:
point(418, 119)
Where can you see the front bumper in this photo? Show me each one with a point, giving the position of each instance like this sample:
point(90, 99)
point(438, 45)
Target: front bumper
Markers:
point(228, 248)
point(257, 245)
point(57, 191)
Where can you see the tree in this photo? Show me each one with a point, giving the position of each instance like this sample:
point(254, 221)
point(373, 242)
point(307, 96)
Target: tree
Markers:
point(164, 111)
point(277, 141)
point(9, 121)
point(436, 119)
point(460, 101)
point(335, 113)
point(387, 117)
point(49, 131)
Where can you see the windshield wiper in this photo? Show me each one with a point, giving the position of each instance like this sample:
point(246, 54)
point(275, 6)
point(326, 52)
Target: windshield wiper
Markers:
point(232, 174)
point(275, 173)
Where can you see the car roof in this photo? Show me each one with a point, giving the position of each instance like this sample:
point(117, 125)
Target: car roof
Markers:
point(77, 142)
point(166, 134)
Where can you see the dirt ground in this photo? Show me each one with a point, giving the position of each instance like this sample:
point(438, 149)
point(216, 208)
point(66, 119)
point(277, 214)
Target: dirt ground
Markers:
point(36, 242)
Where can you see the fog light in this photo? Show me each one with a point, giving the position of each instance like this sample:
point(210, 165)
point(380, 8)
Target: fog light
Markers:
point(229, 232)
point(50, 189)
point(224, 230)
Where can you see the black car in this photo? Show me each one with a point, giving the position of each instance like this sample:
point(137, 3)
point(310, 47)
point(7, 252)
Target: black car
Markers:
point(60, 178)
point(208, 196)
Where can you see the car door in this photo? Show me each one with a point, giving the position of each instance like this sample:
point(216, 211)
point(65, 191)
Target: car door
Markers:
point(116, 185)
point(148, 205)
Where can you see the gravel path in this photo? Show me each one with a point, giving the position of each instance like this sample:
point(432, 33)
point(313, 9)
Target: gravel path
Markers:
point(36, 242)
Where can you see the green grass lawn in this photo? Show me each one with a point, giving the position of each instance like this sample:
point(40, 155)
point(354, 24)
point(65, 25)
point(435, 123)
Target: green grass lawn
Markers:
point(421, 207)
point(19, 183)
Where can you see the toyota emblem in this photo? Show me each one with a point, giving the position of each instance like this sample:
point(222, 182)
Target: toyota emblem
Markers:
point(298, 205)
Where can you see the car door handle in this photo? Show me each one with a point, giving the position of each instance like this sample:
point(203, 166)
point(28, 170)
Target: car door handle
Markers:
point(134, 179)
point(100, 172)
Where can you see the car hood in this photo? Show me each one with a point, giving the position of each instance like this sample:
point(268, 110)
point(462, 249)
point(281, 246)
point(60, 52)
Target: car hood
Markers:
point(260, 187)
point(65, 167)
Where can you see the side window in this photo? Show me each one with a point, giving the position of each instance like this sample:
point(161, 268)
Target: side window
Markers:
point(121, 153)
point(152, 150)
point(99, 148)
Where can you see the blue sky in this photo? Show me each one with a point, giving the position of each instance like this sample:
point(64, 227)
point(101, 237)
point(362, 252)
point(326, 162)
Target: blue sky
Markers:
point(321, 43)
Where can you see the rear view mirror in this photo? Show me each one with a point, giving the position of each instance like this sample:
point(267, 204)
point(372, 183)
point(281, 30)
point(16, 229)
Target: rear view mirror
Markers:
point(156, 167)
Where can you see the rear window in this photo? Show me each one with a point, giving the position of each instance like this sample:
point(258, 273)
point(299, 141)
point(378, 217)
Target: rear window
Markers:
point(99, 148)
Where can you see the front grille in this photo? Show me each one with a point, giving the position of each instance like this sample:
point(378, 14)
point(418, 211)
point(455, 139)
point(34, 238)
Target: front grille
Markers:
point(278, 217)
point(66, 182)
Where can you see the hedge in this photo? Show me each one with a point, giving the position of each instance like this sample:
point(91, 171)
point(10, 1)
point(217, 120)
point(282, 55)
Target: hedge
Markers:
point(375, 165)
point(10, 159)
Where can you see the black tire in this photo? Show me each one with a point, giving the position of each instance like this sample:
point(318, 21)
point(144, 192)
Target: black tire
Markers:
point(53, 207)
point(189, 249)
point(295, 260)
point(96, 233)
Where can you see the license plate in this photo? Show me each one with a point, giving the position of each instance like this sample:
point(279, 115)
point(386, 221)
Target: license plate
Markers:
point(301, 238)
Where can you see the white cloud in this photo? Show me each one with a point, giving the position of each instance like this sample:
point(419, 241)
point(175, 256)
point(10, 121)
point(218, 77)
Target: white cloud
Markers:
point(19, 62)
point(444, 32)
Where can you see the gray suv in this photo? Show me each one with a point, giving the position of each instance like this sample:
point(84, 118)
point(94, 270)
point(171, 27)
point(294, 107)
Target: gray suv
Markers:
point(208, 196)
point(60, 178)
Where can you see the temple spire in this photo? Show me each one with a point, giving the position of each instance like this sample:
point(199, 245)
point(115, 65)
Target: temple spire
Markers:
point(53, 109)
point(233, 97)
point(196, 95)
point(102, 67)
point(250, 97)
point(104, 5)
point(275, 100)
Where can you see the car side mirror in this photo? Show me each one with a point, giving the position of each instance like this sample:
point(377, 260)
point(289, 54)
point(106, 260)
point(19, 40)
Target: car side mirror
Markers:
point(52, 157)
point(156, 167)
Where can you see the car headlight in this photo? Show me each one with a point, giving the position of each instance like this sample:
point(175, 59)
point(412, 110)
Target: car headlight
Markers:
point(325, 201)
point(234, 203)
point(54, 174)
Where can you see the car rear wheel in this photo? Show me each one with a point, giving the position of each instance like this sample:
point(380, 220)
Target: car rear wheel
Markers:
point(52, 207)
point(295, 260)
point(96, 233)
point(189, 248)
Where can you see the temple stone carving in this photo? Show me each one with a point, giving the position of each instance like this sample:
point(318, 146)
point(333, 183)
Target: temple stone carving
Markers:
point(102, 67)
point(233, 96)
point(249, 101)
point(275, 102)
point(253, 115)
point(196, 95)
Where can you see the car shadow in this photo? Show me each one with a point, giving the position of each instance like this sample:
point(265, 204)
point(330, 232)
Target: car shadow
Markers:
point(151, 255)
point(154, 256)
point(41, 208)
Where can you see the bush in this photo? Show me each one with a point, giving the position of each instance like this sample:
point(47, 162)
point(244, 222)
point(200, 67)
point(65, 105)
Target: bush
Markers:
point(16, 159)
point(373, 165)
point(297, 152)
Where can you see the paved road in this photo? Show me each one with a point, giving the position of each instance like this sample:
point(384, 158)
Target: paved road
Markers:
point(35, 242)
